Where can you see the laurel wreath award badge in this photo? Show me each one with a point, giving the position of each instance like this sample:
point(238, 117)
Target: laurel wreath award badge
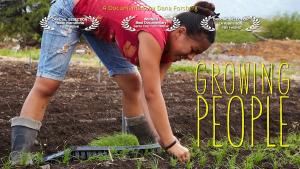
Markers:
point(95, 23)
point(255, 23)
point(176, 24)
point(125, 23)
point(44, 23)
point(204, 23)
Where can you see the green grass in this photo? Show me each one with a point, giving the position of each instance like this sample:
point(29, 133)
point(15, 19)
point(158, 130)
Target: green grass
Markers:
point(34, 54)
point(182, 68)
point(187, 66)
point(235, 36)
point(239, 35)
point(115, 140)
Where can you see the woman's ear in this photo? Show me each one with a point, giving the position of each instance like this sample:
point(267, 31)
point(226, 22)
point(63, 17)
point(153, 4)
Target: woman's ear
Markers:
point(180, 31)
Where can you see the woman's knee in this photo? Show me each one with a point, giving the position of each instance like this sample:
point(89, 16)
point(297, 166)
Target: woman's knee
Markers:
point(45, 87)
point(130, 84)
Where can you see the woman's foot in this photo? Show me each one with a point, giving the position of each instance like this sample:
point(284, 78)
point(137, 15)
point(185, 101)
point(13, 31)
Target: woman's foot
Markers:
point(139, 127)
point(24, 132)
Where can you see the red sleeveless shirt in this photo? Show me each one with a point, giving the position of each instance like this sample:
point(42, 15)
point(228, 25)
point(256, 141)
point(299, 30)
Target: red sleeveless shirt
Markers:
point(121, 20)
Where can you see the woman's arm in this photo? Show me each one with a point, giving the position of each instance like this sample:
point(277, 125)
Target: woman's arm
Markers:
point(163, 70)
point(149, 60)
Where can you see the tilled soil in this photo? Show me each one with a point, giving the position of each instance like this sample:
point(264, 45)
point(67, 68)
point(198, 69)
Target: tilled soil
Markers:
point(85, 107)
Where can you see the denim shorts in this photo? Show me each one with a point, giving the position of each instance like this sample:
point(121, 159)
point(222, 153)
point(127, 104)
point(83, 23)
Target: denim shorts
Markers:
point(58, 44)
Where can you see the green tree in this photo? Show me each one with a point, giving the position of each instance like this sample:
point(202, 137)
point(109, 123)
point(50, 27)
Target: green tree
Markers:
point(283, 26)
point(20, 19)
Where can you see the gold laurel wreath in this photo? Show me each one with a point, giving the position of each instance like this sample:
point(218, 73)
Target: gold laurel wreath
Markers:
point(125, 23)
point(176, 24)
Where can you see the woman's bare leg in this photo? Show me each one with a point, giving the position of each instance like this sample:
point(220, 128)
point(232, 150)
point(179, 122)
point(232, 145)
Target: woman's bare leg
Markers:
point(25, 127)
point(133, 99)
point(37, 100)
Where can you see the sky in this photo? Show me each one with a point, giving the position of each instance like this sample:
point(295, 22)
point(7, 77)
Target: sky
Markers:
point(234, 8)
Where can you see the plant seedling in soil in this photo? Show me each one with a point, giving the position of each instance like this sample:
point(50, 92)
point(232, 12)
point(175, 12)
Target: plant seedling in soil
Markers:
point(98, 158)
point(173, 161)
point(139, 164)
point(26, 158)
point(254, 159)
point(6, 163)
point(232, 162)
point(189, 165)
point(154, 164)
point(38, 158)
point(202, 160)
point(67, 156)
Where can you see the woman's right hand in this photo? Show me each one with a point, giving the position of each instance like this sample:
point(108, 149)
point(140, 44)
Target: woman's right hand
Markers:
point(179, 151)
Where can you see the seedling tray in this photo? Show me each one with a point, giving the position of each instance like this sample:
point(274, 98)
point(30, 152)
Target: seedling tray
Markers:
point(84, 152)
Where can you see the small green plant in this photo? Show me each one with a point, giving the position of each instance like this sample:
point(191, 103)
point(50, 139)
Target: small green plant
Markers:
point(232, 162)
point(139, 164)
point(98, 158)
point(202, 160)
point(67, 156)
point(154, 164)
point(6, 163)
point(254, 159)
point(38, 158)
point(220, 153)
point(124, 153)
point(296, 159)
point(248, 164)
point(148, 152)
point(258, 156)
point(26, 159)
point(275, 164)
point(173, 161)
point(189, 164)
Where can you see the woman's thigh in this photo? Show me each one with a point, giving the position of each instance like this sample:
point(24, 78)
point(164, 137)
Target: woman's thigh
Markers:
point(110, 56)
point(58, 42)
